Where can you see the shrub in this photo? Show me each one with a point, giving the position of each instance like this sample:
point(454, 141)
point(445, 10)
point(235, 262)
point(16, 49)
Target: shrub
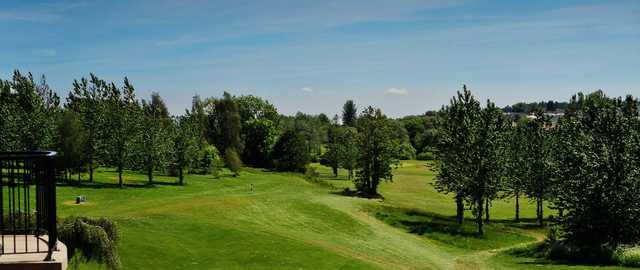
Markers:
point(425, 156)
point(406, 151)
point(91, 240)
point(311, 173)
point(209, 161)
point(627, 256)
point(232, 160)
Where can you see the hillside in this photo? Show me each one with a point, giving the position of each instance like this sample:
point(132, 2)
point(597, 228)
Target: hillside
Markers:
point(287, 222)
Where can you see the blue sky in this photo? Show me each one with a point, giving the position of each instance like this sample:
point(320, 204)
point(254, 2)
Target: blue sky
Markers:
point(404, 56)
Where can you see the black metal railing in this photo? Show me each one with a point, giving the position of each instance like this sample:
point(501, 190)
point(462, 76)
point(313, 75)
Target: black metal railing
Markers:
point(28, 198)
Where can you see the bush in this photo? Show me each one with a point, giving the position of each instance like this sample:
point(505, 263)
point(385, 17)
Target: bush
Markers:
point(627, 256)
point(91, 239)
point(311, 173)
point(232, 160)
point(406, 151)
point(426, 156)
point(209, 161)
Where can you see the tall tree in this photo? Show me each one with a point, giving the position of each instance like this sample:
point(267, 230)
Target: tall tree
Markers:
point(185, 142)
point(260, 136)
point(378, 151)
point(86, 98)
point(349, 113)
point(121, 119)
point(229, 123)
point(517, 171)
point(71, 139)
point(348, 151)
point(538, 161)
point(331, 157)
point(457, 126)
point(155, 145)
point(596, 157)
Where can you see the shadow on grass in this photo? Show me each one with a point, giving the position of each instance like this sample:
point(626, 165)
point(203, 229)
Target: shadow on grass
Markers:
point(445, 229)
point(102, 185)
point(353, 193)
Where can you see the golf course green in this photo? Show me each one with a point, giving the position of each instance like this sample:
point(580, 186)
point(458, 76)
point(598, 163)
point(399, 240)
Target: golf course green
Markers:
point(269, 220)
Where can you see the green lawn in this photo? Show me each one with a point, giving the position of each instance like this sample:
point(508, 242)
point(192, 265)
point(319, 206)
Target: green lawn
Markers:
point(289, 223)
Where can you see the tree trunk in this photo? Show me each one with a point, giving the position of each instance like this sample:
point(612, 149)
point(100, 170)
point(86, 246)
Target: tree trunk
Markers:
point(517, 206)
point(540, 213)
point(120, 176)
point(150, 173)
point(335, 171)
point(479, 206)
point(486, 210)
point(79, 177)
point(459, 209)
point(180, 176)
point(91, 170)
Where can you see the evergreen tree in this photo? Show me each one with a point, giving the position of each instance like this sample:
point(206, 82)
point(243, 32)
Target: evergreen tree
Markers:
point(349, 114)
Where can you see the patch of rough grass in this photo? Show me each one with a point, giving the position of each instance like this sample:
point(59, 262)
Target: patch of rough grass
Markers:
point(498, 234)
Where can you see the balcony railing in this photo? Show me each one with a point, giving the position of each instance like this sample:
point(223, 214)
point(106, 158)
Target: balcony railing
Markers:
point(28, 203)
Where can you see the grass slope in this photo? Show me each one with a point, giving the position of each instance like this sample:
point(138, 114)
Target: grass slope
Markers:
point(289, 223)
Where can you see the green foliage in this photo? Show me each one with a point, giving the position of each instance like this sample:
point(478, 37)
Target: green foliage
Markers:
point(406, 151)
point(310, 173)
point(469, 153)
point(232, 160)
point(378, 151)
point(260, 136)
point(155, 143)
point(598, 183)
point(121, 115)
point(185, 143)
point(349, 113)
point(290, 152)
point(426, 156)
point(209, 162)
point(71, 139)
point(627, 256)
point(92, 239)
point(348, 151)
point(29, 114)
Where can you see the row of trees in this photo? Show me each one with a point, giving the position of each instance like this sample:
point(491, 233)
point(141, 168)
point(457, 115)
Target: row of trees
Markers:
point(585, 166)
point(105, 124)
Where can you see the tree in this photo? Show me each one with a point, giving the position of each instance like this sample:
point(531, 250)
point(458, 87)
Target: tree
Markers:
point(290, 152)
point(457, 126)
point(154, 142)
point(232, 159)
point(71, 136)
point(349, 114)
point(260, 135)
point(378, 151)
point(331, 157)
point(348, 151)
point(86, 98)
point(537, 161)
point(229, 123)
point(185, 143)
point(516, 165)
point(596, 158)
point(121, 111)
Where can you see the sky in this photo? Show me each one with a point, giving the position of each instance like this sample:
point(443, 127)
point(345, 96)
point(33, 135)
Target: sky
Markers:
point(403, 56)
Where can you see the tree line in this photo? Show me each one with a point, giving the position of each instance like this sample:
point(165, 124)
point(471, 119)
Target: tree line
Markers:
point(585, 166)
point(102, 123)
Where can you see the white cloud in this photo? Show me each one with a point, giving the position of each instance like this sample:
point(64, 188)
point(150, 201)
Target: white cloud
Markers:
point(307, 89)
point(396, 91)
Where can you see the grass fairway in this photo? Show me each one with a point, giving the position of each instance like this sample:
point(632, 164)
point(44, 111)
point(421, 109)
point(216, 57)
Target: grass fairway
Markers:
point(289, 223)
